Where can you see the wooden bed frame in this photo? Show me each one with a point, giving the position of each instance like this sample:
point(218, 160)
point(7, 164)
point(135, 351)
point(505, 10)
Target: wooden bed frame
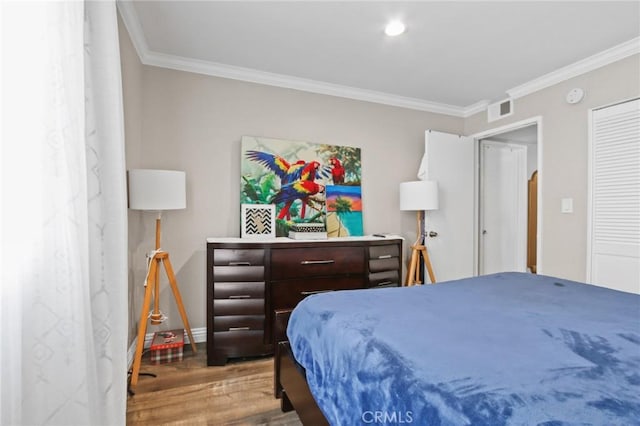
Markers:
point(290, 382)
point(295, 393)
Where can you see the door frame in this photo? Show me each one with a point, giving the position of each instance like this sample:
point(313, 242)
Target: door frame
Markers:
point(537, 120)
point(521, 214)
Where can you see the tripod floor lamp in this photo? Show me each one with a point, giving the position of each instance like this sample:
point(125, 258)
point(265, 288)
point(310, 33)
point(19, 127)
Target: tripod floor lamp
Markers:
point(157, 190)
point(419, 196)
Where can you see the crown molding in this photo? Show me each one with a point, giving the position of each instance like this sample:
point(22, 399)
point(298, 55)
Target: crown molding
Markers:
point(472, 109)
point(616, 53)
point(132, 24)
point(289, 82)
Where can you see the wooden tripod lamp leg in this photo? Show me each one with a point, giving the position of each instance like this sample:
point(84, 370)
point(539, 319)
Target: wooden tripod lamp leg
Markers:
point(156, 315)
point(142, 325)
point(427, 263)
point(418, 280)
point(410, 270)
point(413, 276)
point(412, 273)
point(176, 294)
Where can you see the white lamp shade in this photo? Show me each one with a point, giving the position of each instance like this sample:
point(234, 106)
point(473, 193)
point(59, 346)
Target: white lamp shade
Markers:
point(419, 195)
point(157, 189)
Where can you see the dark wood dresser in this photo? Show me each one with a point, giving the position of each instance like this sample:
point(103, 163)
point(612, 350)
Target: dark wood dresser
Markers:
point(249, 280)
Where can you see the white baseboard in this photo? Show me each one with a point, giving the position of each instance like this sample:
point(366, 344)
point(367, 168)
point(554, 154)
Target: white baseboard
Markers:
point(199, 335)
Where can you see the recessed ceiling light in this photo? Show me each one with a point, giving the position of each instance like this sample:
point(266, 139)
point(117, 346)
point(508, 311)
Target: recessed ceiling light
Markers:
point(394, 28)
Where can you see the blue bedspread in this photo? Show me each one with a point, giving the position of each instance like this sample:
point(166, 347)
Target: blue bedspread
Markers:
point(509, 348)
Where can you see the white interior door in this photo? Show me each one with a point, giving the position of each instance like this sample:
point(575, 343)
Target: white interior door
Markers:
point(503, 207)
point(450, 160)
point(614, 199)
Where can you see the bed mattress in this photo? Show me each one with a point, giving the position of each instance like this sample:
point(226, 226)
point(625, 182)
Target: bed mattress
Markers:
point(501, 349)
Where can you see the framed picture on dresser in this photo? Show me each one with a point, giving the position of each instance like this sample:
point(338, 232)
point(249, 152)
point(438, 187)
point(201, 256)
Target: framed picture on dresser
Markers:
point(258, 221)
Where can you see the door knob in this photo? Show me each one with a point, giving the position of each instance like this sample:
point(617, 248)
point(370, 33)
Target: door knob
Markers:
point(433, 234)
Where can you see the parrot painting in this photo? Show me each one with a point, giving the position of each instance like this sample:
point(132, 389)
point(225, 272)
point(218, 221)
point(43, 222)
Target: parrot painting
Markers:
point(299, 190)
point(337, 171)
point(303, 182)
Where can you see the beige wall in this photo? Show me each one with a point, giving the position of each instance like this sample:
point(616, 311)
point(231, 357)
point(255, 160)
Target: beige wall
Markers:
point(194, 123)
point(132, 99)
point(564, 156)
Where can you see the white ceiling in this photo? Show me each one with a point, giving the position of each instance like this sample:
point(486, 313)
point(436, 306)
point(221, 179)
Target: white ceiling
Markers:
point(454, 57)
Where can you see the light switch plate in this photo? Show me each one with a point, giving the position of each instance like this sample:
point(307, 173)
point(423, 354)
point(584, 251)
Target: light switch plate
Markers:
point(567, 205)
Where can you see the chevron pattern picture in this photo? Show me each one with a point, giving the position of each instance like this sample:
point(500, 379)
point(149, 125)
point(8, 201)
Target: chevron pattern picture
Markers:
point(258, 221)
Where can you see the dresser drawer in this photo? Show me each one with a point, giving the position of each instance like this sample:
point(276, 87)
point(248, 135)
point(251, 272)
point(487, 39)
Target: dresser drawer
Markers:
point(385, 264)
point(239, 343)
point(238, 323)
point(385, 279)
point(384, 252)
point(287, 294)
point(316, 261)
point(238, 257)
point(238, 307)
point(238, 290)
point(238, 273)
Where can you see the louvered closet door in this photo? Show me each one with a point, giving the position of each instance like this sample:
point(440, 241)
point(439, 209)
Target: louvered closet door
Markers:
point(615, 197)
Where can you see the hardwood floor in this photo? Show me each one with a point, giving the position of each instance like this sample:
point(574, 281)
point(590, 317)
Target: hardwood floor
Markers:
point(190, 393)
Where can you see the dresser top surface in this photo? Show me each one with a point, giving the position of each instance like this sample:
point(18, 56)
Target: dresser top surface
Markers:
point(285, 240)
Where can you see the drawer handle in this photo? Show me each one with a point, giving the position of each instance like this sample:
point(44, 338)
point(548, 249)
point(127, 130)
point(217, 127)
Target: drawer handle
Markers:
point(317, 262)
point(240, 296)
point(239, 328)
point(239, 263)
point(384, 283)
point(385, 256)
point(308, 293)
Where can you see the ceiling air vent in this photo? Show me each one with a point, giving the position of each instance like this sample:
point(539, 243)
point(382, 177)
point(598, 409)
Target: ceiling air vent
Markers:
point(499, 110)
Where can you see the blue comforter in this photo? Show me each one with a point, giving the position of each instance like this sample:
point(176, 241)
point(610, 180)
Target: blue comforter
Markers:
point(503, 349)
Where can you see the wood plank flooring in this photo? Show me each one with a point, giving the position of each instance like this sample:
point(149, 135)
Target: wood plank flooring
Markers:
point(190, 393)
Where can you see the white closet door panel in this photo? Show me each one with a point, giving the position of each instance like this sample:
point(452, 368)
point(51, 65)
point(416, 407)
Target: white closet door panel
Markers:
point(614, 269)
point(615, 197)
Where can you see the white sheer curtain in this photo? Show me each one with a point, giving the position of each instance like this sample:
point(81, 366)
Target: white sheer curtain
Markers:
point(63, 298)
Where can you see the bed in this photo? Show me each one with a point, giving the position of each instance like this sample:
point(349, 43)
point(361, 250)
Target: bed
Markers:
point(507, 348)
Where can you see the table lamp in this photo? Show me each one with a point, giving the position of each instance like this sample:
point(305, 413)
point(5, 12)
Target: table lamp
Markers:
point(419, 196)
